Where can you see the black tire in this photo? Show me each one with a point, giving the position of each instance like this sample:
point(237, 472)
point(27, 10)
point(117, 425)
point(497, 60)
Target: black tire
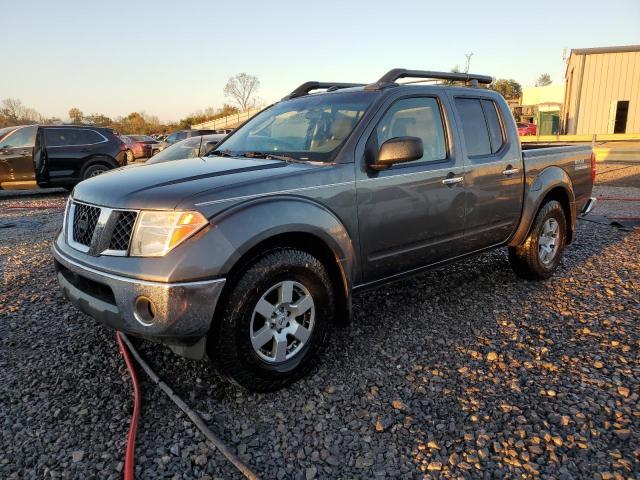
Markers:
point(526, 259)
point(230, 347)
point(95, 169)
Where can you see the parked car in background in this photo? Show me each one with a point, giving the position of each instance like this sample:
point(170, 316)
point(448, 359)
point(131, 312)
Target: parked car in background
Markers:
point(57, 156)
point(130, 146)
point(525, 129)
point(182, 135)
point(189, 148)
point(252, 253)
point(146, 145)
point(140, 146)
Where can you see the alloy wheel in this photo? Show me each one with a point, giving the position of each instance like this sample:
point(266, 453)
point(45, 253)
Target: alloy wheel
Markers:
point(282, 322)
point(548, 242)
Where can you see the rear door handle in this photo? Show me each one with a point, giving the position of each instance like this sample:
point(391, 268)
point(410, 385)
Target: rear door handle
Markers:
point(510, 171)
point(452, 180)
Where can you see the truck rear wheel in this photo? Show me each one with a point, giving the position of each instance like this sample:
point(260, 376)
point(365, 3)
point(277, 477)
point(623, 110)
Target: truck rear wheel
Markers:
point(539, 256)
point(275, 321)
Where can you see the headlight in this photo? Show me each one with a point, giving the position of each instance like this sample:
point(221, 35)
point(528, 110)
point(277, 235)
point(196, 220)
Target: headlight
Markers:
point(156, 233)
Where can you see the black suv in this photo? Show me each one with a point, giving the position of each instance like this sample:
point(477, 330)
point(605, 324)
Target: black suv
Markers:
point(57, 156)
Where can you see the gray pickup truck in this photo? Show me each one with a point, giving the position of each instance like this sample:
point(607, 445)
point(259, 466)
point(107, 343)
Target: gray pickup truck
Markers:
point(251, 254)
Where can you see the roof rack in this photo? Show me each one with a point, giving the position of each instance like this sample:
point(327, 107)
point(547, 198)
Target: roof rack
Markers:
point(389, 78)
point(307, 87)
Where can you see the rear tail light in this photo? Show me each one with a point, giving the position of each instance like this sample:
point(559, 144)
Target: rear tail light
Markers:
point(593, 167)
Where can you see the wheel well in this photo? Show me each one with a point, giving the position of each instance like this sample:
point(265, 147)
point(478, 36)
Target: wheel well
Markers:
point(99, 160)
point(306, 242)
point(561, 195)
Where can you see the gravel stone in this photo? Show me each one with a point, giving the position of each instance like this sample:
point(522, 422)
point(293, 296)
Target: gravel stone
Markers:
point(560, 398)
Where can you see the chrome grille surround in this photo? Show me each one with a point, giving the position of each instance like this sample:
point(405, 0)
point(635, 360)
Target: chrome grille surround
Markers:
point(99, 230)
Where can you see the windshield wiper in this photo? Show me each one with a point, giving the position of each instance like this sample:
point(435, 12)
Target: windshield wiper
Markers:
point(219, 153)
point(269, 156)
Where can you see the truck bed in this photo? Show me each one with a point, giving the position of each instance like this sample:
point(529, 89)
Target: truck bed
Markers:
point(575, 160)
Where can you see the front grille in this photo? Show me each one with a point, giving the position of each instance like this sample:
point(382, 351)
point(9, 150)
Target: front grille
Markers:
point(84, 223)
point(122, 231)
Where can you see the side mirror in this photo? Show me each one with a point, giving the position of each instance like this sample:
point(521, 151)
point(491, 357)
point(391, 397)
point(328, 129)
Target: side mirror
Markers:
point(398, 150)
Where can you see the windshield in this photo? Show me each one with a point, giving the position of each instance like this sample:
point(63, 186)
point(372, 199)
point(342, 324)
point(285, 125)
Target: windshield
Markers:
point(188, 148)
point(6, 130)
point(307, 128)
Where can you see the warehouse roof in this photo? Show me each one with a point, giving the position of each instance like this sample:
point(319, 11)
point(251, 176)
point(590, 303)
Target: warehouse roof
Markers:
point(618, 49)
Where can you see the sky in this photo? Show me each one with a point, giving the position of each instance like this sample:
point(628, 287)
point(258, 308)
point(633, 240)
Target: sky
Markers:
point(172, 58)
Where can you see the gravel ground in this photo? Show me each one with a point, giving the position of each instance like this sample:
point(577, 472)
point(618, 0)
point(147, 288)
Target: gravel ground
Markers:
point(462, 372)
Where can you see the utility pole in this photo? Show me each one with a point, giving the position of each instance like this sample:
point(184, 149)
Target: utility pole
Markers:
point(468, 56)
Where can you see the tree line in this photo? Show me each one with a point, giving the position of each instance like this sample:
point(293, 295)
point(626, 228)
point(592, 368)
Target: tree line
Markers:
point(241, 89)
point(13, 112)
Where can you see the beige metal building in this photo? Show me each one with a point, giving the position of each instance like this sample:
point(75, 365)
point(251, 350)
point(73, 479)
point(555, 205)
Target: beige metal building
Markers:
point(602, 91)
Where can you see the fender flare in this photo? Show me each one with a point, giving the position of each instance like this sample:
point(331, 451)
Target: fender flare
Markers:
point(535, 192)
point(248, 224)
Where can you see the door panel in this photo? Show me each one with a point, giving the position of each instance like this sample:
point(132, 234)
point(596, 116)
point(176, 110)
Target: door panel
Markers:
point(494, 202)
point(407, 216)
point(408, 220)
point(17, 167)
point(16, 159)
point(66, 149)
point(494, 173)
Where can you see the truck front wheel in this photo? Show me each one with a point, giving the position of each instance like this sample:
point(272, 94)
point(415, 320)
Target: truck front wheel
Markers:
point(539, 256)
point(275, 320)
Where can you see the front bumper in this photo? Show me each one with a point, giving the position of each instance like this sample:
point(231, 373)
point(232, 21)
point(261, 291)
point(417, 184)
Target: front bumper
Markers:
point(175, 313)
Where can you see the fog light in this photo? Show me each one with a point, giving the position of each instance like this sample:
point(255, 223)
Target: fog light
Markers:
point(144, 311)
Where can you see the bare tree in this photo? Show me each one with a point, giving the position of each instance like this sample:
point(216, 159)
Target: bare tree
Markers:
point(543, 80)
point(12, 109)
point(75, 115)
point(241, 89)
point(13, 112)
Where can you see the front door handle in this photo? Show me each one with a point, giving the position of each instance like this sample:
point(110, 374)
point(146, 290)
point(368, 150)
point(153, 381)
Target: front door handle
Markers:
point(452, 180)
point(510, 171)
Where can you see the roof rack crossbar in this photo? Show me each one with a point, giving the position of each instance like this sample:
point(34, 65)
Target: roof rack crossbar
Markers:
point(307, 87)
point(391, 76)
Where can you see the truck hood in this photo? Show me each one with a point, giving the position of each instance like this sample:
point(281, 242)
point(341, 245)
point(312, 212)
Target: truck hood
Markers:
point(181, 184)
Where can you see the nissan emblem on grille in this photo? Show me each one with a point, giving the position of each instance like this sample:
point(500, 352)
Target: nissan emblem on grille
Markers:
point(84, 223)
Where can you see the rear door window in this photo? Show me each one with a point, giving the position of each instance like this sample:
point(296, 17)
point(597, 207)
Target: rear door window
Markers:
point(474, 127)
point(69, 137)
point(91, 136)
point(493, 122)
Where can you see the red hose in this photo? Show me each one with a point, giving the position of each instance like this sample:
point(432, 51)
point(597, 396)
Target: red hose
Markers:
point(620, 199)
point(631, 219)
point(135, 416)
point(31, 207)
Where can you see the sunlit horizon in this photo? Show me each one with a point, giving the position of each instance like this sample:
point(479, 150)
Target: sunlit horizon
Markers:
point(170, 60)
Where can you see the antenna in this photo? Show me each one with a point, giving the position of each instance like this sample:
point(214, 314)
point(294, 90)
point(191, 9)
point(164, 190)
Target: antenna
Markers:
point(468, 56)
